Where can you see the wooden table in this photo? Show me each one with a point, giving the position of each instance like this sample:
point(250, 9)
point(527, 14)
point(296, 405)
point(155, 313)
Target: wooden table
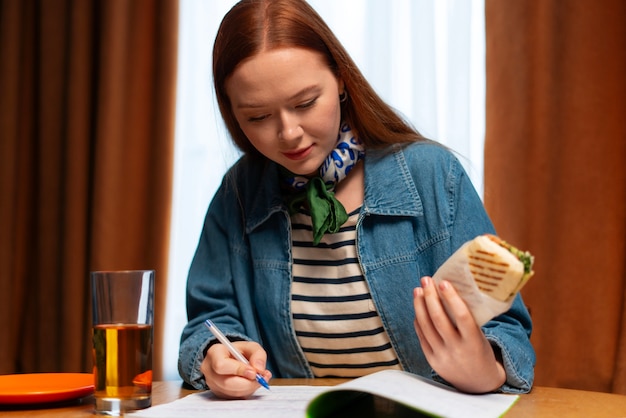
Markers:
point(541, 402)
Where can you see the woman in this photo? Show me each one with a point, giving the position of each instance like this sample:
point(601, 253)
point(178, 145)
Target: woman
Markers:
point(317, 249)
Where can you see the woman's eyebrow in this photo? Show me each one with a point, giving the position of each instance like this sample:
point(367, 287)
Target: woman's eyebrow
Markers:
point(304, 92)
point(300, 93)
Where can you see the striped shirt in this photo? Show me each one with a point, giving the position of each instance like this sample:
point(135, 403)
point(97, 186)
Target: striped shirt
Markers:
point(335, 320)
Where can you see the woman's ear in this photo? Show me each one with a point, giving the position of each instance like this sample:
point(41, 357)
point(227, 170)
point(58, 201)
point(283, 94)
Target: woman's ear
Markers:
point(343, 93)
point(341, 86)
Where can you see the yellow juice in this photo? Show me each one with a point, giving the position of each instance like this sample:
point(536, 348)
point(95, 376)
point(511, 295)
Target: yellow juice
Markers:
point(123, 361)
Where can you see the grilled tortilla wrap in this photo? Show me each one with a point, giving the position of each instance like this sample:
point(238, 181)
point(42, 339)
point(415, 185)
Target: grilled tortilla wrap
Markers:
point(487, 273)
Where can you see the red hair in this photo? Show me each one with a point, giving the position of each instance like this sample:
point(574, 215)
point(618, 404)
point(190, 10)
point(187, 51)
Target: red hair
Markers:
point(253, 26)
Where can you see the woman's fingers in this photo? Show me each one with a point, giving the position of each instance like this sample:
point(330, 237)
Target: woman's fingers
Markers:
point(426, 328)
point(458, 310)
point(441, 316)
point(422, 320)
point(228, 377)
point(436, 310)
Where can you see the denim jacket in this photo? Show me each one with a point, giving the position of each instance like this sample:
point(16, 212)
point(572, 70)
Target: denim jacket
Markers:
point(419, 207)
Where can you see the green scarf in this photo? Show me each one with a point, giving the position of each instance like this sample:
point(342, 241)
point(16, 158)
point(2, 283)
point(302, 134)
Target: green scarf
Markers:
point(327, 213)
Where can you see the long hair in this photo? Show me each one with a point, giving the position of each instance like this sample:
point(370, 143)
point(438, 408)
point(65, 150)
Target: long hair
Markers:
point(254, 26)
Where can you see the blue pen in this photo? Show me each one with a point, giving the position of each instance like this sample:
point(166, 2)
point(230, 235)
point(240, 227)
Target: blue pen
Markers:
point(222, 338)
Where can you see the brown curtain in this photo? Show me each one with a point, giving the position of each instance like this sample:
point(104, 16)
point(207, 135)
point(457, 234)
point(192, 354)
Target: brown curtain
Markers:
point(555, 176)
point(87, 94)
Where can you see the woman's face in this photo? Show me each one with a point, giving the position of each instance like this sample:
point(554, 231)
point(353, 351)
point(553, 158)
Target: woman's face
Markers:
point(286, 101)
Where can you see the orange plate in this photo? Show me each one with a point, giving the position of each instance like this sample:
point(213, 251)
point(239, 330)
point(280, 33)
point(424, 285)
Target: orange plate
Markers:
point(44, 387)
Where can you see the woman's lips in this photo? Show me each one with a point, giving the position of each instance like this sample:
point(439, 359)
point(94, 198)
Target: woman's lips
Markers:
point(298, 154)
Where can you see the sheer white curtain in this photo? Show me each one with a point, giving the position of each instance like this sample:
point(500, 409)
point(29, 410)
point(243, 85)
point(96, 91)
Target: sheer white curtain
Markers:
point(424, 57)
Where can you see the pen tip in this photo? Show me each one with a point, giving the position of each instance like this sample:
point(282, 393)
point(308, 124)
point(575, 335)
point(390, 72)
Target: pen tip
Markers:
point(262, 382)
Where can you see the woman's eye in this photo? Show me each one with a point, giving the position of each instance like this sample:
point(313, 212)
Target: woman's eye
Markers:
point(257, 118)
point(307, 104)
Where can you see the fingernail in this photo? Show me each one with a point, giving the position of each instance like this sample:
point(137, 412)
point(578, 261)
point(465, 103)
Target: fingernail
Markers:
point(249, 374)
point(425, 281)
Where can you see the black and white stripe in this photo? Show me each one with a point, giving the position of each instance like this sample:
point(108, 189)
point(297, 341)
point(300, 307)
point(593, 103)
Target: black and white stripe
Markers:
point(334, 317)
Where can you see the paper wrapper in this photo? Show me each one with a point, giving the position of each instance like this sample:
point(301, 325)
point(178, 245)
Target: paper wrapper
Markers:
point(456, 270)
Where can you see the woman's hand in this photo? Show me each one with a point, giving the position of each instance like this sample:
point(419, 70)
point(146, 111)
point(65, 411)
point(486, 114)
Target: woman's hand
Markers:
point(459, 353)
point(229, 378)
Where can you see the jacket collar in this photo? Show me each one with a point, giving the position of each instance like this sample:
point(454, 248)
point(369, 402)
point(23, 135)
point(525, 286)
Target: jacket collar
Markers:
point(392, 195)
point(387, 194)
point(267, 199)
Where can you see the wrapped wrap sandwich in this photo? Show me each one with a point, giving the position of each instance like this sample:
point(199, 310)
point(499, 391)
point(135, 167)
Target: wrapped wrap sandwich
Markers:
point(487, 272)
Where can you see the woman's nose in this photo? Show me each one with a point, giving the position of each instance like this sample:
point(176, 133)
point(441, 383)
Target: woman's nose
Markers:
point(290, 128)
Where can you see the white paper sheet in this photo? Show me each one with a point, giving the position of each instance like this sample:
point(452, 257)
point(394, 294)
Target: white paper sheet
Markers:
point(278, 402)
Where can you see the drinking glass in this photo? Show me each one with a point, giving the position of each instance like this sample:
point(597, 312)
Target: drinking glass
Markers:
point(123, 303)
